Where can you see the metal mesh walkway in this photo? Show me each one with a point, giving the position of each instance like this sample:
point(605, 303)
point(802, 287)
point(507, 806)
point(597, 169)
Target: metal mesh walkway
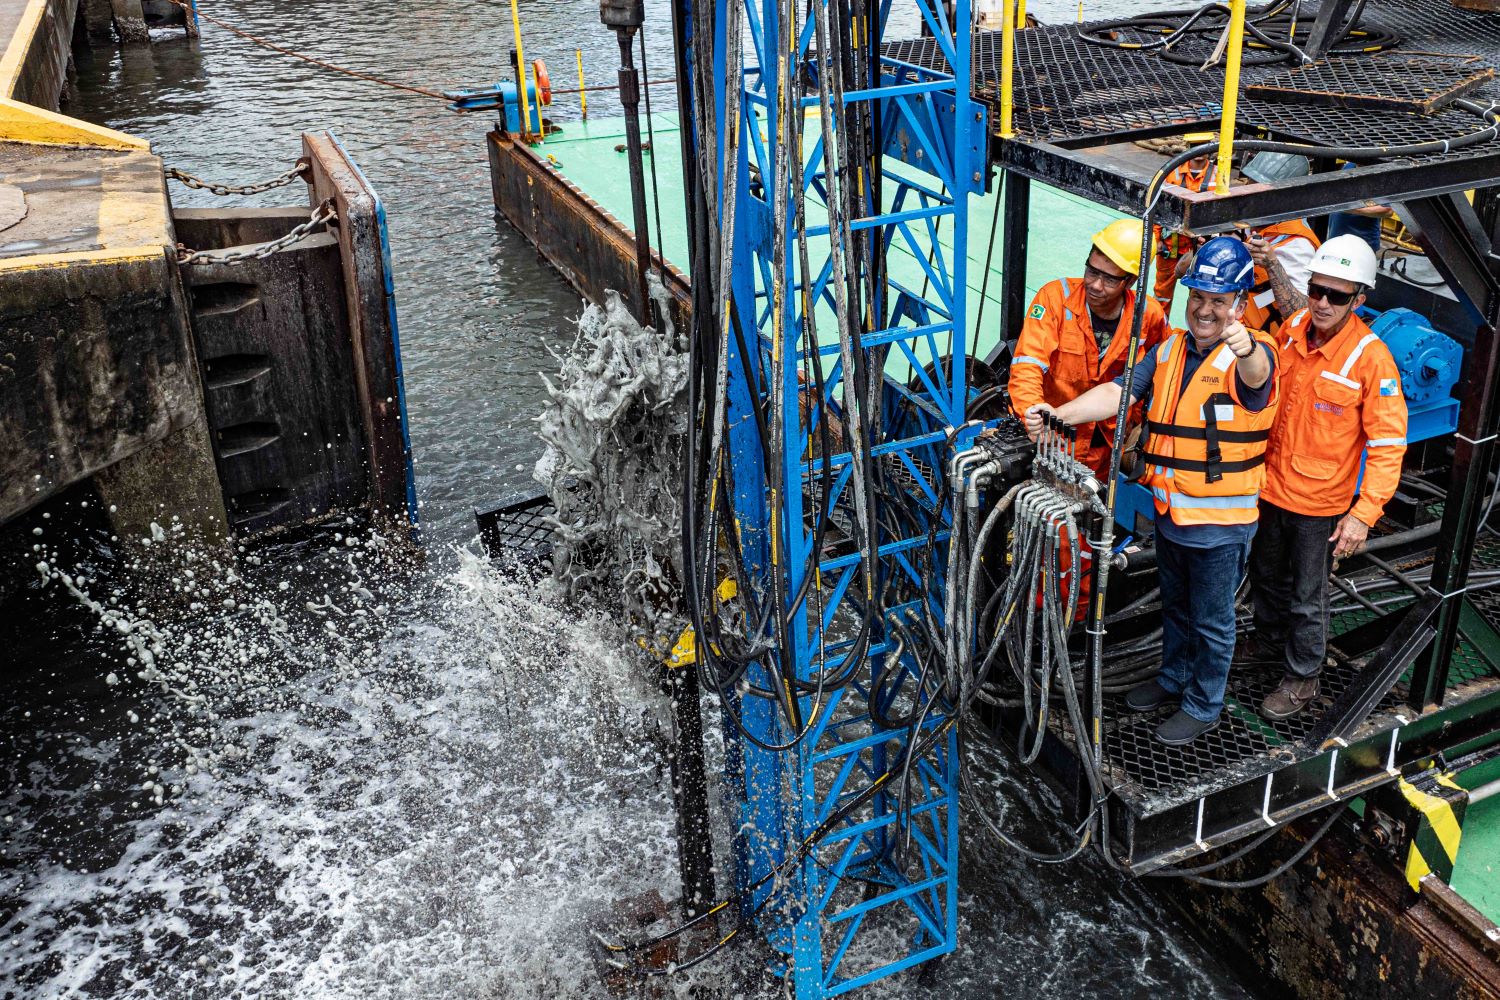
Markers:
point(1068, 90)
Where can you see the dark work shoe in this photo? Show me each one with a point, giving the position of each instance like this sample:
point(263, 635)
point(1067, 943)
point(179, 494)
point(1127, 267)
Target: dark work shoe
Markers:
point(1182, 729)
point(1145, 697)
point(1254, 649)
point(1291, 696)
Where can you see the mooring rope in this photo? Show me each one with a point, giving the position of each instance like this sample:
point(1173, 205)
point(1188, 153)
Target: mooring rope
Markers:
point(357, 74)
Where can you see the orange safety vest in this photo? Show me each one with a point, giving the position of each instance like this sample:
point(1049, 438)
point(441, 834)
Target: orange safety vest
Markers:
point(1261, 312)
point(1340, 401)
point(1057, 355)
point(1205, 456)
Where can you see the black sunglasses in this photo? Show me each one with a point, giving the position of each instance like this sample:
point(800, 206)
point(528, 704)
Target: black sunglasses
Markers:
point(1090, 271)
point(1335, 298)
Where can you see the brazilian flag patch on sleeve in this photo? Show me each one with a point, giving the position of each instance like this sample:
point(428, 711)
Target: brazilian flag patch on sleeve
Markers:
point(1037, 311)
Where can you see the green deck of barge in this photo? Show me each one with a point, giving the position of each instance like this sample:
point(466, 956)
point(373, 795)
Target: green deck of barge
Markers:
point(584, 152)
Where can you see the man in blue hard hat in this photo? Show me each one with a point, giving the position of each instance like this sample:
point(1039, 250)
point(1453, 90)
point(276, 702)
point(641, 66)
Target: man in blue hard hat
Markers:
point(1212, 401)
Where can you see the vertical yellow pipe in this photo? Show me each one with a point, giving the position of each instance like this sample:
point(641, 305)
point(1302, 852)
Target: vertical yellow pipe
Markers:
point(1020, 14)
point(1080, 11)
point(1231, 94)
point(1007, 68)
point(515, 20)
point(583, 95)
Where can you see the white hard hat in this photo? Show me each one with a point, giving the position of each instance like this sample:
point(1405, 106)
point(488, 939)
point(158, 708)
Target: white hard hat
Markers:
point(1348, 257)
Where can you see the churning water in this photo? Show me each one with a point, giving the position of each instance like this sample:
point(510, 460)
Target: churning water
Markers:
point(322, 773)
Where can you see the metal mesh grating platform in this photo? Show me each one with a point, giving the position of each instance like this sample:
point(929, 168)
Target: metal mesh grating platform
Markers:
point(1140, 769)
point(517, 529)
point(1400, 81)
point(1070, 90)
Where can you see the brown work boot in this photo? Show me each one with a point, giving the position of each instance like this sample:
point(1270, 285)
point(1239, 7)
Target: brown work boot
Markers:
point(1291, 696)
point(1253, 649)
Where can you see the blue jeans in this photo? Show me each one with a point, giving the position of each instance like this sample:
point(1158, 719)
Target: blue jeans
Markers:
point(1197, 601)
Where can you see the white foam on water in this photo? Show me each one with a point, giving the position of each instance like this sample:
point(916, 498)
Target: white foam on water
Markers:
point(332, 805)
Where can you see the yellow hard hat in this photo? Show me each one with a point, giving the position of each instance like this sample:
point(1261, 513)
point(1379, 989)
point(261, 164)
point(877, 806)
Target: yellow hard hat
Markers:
point(1120, 241)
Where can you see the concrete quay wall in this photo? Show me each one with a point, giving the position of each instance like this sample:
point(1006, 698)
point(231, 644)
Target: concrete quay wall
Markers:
point(98, 376)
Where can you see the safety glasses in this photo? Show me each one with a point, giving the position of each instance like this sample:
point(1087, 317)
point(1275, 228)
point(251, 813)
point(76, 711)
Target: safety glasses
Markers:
point(1335, 298)
point(1090, 272)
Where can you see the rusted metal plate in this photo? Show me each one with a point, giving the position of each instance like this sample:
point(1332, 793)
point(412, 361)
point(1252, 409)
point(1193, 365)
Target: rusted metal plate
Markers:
point(1419, 82)
point(1341, 923)
point(369, 299)
point(590, 247)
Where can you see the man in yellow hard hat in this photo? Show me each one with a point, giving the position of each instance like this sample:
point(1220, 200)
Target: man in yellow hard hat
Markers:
point(1077, 330)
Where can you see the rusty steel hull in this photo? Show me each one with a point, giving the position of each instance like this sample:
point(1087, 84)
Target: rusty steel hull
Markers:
point(1342, 923)
point(591, 248)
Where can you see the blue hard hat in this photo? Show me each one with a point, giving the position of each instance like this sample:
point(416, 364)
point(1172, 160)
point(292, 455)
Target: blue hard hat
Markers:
point(1223, 264)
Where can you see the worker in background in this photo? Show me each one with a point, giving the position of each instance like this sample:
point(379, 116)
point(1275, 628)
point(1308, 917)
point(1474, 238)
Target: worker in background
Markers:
point(1363, 222)
point(1282, 250)
point(1194, 175)
point(1341, 400)
point(1077, 330)
point(1213, 398)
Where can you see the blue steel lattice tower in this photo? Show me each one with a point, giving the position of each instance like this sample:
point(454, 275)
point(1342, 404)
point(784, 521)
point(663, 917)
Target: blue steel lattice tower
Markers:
point(862, 859)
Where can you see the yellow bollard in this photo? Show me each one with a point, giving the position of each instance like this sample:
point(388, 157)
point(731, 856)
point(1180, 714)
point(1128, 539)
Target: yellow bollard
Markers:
point(1080, 11)
point(583, 94)
point(1231, 94)
point(1007, 69)
point(515, 20)
point(1020, 14)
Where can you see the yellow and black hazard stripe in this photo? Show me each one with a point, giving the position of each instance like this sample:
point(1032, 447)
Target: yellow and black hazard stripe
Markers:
point(1439, 805)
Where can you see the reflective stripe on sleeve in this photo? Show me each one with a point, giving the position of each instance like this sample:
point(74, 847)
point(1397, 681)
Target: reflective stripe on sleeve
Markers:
point(1025, 359)
point(1384, 442)
point(1359, 349)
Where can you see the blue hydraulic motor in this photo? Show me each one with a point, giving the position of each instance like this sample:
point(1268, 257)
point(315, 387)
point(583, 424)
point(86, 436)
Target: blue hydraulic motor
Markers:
point(1429, 362)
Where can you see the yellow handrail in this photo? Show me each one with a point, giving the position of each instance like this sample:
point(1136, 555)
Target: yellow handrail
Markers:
point(583, 93)
point(1231, 94)
point(515, 20)
point(1007, 69)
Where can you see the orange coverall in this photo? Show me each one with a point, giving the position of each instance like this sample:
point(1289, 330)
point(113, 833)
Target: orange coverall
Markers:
point(1338, 402)
point(1171, 246)
point(1057, 356)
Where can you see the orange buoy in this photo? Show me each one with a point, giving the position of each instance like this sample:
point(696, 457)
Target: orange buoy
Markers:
point(543, 82)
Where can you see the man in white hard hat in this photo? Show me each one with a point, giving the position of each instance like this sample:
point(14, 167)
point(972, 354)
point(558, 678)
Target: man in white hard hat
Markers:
point(1341, 400)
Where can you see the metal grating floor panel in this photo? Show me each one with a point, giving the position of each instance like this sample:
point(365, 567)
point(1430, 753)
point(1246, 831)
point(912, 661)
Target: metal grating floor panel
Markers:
point(1419, 83)
point(1141, 770)
point(1070, 90)
point(518, 529)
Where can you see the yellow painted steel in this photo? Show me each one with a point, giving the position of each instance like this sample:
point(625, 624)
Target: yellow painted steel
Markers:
point(47, 261)
point(583, 94)
point(515, 20)
point(1020, 14)
point(1007, 69)
point(1439, 815)
point(1231, 94)
point(685, 652)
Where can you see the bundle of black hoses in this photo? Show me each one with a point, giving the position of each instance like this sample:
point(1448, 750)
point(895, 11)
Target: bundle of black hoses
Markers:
point(1275, 33)
point(723, 352)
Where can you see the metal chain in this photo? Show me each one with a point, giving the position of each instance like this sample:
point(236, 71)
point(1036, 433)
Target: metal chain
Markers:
point(298, 172)
point(322, 215)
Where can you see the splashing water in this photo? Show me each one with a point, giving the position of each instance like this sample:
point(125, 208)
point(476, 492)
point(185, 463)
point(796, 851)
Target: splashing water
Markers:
point(313, 796)
point(613, 430)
